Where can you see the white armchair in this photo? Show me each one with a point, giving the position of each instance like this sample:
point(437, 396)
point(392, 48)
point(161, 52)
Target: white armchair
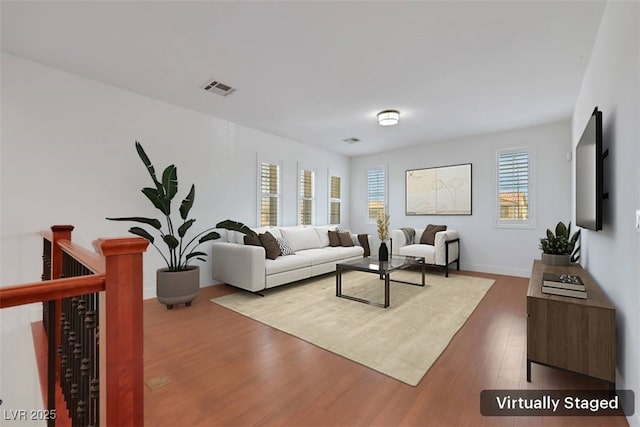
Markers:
point(444, 251)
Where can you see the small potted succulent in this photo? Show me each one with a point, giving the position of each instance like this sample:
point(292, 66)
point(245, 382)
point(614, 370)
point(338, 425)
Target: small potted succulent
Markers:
point(179, 282)
point(560, 248)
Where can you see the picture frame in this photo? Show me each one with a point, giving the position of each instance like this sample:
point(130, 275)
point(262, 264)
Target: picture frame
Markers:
point(444, 190)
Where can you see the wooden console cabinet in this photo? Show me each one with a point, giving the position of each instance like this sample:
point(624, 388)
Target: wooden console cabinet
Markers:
point(577, 335)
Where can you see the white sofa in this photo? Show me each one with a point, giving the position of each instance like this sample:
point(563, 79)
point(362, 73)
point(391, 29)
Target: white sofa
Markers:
point(445, 251)
point(246, 267)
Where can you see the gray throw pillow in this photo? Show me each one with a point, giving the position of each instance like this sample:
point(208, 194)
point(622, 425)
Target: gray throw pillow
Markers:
point(285, 249)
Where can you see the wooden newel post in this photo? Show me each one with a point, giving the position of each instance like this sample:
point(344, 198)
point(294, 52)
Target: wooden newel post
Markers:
point(121, 343)
point(60, 232)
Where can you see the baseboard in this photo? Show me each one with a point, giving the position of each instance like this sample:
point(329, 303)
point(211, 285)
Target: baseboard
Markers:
point(495, 269)
point(149, 292)
point(210, 282)
point(35, 315)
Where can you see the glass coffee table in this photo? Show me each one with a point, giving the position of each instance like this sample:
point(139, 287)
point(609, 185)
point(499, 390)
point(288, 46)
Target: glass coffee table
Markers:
point(383, 269)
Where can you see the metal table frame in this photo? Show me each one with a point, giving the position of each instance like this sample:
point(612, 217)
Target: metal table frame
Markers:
point(384, 269)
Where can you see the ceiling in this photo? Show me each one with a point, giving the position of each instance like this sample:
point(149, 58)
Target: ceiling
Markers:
point(318, 71)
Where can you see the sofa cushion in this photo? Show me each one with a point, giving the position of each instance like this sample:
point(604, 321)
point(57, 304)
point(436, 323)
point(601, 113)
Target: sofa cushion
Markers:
point(235, 237)
point(329, 254)
point(334, 240)
point(345, 239)
point(323, 233)
point(301, 238)
point(270, 245)
point(321, 256)
point(350, 252)
point(286, 263)
point(420, 250)
point(429, 235)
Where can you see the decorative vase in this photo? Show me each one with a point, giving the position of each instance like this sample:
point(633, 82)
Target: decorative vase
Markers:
point(383, 252)
point(177, 287)
point(554, 259)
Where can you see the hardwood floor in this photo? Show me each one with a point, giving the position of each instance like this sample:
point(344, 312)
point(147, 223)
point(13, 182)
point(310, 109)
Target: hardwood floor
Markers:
point(226, 369)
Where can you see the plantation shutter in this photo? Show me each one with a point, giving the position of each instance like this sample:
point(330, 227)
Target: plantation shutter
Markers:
point(269, 185)
point(513, 185)
point(335, 200)
point(306, 196)
point(376, 192)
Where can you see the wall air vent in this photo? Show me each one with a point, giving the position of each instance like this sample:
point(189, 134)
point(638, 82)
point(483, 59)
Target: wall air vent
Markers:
point(351, 140)
point(215, 86)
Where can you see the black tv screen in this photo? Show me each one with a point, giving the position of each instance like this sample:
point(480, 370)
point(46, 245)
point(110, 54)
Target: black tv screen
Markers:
point(589, 175)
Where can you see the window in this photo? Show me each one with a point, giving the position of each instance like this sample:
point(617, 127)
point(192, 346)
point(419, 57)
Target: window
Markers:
point(306, 192)
point(269, 194)
point(335, 198)
point(376, 192)
point(514, 204)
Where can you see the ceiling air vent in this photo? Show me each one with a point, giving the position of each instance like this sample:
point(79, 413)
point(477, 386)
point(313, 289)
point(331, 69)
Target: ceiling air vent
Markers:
point(215, 86)
point(351, 140)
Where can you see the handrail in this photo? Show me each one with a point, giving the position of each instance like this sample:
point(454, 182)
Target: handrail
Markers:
point(91, 260)
point(47, 234)
point(12, 296)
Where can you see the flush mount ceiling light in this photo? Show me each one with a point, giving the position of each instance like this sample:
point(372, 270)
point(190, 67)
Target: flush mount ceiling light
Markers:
point(388, 117)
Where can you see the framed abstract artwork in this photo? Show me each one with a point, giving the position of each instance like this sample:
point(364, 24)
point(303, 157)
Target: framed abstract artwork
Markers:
point(443, 190)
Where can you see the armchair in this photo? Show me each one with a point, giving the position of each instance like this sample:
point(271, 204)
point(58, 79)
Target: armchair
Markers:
point(444, 251)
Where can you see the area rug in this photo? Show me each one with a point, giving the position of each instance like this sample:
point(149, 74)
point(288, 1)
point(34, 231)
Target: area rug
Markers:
point(401, 341)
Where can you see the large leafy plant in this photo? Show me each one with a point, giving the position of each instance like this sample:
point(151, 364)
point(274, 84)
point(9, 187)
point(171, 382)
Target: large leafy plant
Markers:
point(562, 242)
point(180, 250)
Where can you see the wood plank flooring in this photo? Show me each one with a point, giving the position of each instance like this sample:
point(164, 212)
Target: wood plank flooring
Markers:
point(226, 369)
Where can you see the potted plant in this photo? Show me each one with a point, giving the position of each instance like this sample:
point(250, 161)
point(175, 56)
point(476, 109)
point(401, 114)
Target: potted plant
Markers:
point(383, 235)
point(560, 248)
point(179, 282)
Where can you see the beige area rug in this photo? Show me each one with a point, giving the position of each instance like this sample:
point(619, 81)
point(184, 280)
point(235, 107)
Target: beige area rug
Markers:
point(401, 341)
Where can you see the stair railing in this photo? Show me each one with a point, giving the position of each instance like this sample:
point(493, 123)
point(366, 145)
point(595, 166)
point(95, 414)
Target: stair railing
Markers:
point(92, 314)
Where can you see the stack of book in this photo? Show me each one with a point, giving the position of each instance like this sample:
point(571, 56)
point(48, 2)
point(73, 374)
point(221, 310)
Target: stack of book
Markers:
point(567, 285)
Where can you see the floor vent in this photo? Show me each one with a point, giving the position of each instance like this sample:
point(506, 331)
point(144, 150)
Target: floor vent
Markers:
point(157, 382)
point(215, 86)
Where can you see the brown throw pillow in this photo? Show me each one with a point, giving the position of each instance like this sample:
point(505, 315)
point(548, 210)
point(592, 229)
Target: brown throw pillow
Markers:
point(345, 239)
point(364, 242)
point(429, 235)
point(252, 240)
point(334, 240)
point(270, 245)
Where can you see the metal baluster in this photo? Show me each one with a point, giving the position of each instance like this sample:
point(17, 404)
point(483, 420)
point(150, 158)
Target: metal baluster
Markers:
point(79, 351)
point(93, 384)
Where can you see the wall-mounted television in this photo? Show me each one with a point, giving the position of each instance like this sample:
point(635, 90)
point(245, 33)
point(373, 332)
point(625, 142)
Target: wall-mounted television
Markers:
point(589, 162)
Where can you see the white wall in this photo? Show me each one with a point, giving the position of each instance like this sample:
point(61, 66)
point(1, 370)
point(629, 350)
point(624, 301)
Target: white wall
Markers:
point(67, 156)
point(484, 247)
point(612, 256)
point(62, 131)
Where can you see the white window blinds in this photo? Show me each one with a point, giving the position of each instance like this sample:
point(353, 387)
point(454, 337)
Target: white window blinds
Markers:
point(269, 194)
point(306, 192)
point(376, 194)
point(335, 199)
point(513, 186)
